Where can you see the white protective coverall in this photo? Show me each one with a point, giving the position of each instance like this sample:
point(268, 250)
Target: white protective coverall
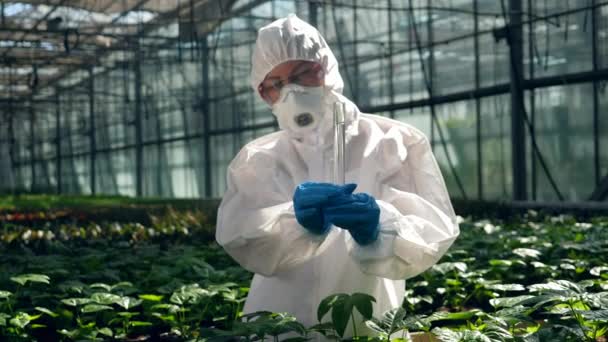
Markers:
point(389, 160)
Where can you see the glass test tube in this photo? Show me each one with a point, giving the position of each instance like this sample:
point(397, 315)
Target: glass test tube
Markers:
point(339, 142)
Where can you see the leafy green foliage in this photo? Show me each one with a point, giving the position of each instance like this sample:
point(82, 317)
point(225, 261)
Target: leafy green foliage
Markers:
point(33, 278)
point(118, 290)
point(524, 280)
point(535, 280)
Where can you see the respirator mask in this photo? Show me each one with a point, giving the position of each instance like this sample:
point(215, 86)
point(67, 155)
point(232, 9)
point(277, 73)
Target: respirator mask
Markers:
point(301, 110)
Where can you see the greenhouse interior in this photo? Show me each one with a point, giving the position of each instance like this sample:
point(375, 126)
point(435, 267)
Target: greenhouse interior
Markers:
point(165, 170)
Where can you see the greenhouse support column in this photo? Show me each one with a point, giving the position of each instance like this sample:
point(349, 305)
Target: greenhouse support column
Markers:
point(32, 144)
point(478, 103)
point(532, 112)
point(138, 129)
point(11, 133)
point(596, 89)
point(518, 142)
point(313, 7)
point(431, 72)
point(58, 141)
point(236, 122)
point(355, 54)
point(391, 74)
point(205, 113)
point(252, 95)
point(91, 132)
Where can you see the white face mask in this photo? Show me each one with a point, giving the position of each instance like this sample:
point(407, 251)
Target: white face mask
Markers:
point(300, 109)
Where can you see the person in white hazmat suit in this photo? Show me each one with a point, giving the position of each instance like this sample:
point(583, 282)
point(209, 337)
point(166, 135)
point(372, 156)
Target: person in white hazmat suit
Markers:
point(304, 237)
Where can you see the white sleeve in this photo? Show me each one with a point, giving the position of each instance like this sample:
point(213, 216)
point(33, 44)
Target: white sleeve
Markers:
point(417, 222)
point(256, 221)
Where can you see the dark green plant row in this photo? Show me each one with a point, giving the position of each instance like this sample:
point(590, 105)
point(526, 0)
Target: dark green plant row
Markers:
point(33, 203)
point(42, 207)
point(169, 224)
point(529, 280)
point(117, 290)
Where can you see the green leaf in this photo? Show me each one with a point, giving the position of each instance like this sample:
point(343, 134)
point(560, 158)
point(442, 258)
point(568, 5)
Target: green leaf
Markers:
point(598, 270)
point(75, 301)
point(453, 282)
point(192, 294)
point(340, 313)
point(127, 314)
point(106, 331)
point(497, 262)
point(151, 297)
point(453, 316)
point(562, 287)
point(73, 334)
point(22, 319)
point(3, 318)
point(506, 287)
point(123, 284)
point(229, 296)
point(105, 298)
point(527, 253)
point(165, 318)
point(548, 287)
point(325, 306)
point(490, 334)
point(538, 264)
point(394, 319)
point(34, 278)
point(428, 299)
point(225, 287)
point(363, 303)
point(72, 286)
point(599, 300)
point(602, 331)
point(128, 302)
point(572, 330)
point(531, 330)
point(422, 283)
point(508, 302)
point(595, 315)
point(448, 335)
point(446, 267)
point(565, 266)
point(324, 328)
point(95, 308)
point(5, 294)
point(375, 326)
point(540, 301)
point(583, 284)
point(101, 286)
point(172, 308)
point(47, 311)
point(140, 324)
point(519, 313)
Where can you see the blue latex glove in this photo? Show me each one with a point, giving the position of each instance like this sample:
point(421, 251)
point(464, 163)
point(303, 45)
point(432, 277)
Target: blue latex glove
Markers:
point(359, 214)
point(310, 200)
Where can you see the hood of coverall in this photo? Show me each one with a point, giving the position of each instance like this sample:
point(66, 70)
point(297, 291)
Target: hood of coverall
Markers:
point(291, 38)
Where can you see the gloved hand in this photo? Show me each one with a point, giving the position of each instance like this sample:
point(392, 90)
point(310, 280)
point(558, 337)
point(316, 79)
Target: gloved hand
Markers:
point(359, 214)
point(310, 200)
